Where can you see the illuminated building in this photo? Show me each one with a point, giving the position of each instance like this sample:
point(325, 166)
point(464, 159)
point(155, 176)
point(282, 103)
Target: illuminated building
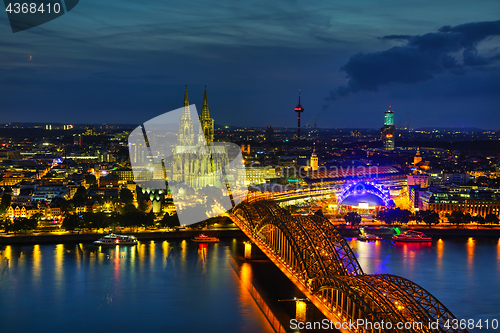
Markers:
point(137, 153)
point(299, 109)
point(364, 197)
point(314, 161)
point(422, 180)
point(417, 159)
point(125, 174)
point(457, 178)
point(245, 149)
point(339, 174)
point(388, 131)
point(259, 175)
point(195, 164)
point(475, 202)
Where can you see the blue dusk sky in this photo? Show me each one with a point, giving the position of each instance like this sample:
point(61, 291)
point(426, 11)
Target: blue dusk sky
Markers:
point(437, 63)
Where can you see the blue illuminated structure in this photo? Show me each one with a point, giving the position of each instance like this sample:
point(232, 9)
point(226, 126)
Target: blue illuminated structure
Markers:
point(364, 188)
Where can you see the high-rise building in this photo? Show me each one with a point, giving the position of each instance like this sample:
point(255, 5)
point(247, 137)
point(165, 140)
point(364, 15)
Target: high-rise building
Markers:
point(299, 109)
point(269, 133)
point(387, 133)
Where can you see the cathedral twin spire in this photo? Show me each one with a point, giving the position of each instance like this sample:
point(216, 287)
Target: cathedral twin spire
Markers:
point(185, 136)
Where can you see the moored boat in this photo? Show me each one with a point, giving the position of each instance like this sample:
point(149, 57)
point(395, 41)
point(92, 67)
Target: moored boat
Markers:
point(202, 238)
point(113, 239)
point(411, 236)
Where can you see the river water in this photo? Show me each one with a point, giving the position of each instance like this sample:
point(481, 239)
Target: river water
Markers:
point(181, 286)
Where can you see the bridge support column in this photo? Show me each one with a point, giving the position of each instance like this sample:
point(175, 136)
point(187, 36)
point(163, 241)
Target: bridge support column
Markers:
point(248, 250)
point(303, 310)
point(252, 251)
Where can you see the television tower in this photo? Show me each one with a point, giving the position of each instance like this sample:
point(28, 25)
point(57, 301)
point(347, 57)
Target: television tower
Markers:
point(299, 109)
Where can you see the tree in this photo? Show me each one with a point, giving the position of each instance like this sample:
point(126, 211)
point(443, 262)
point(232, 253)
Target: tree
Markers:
point(67, 206)
point(24, 224)
point(390, 215)
point(479, 219)
point(91, 181)
point(431, 218)
point(126, 196)
point(6, 200)
point(468, 218)
point(456, 217)
point(95, 220)
point(80, 196)
point(353, 218)
point(491, 218)
point(71, 222)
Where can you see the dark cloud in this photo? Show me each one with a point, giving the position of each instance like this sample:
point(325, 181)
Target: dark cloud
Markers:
point(419, 59)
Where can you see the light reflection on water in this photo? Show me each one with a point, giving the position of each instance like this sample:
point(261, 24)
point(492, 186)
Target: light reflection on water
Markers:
point(174, 286)
point(463, 274)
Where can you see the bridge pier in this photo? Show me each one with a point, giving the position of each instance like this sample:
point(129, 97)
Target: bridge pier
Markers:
point(248, 250)
point(304, 310)
point(252, 251)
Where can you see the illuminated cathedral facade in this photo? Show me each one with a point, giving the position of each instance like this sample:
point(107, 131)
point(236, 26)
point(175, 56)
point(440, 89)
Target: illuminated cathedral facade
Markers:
point(197, 162)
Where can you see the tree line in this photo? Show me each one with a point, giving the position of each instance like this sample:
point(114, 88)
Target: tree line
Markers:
point(429, 217)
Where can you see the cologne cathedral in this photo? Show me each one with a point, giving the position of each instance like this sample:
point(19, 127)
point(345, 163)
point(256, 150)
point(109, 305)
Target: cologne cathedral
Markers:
point(197, 161)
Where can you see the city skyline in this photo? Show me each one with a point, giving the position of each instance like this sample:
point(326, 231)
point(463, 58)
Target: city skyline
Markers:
point(123, 63)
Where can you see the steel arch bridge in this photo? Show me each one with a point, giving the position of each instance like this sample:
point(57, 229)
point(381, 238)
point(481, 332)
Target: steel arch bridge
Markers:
point(317, 259)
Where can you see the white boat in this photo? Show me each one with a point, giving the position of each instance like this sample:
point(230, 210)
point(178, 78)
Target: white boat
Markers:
point(411, 236)
point(113, 239)
point(202, 238)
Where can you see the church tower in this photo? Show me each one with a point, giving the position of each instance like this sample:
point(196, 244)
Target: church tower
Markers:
point(417, 159)
point(185, 135)
point(206, 122)
point(314, 160)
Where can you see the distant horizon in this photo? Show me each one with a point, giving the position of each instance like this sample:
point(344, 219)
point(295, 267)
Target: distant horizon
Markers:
point(444, 128)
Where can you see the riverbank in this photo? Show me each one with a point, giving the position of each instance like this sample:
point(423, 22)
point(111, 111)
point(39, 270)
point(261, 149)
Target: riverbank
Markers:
point(385, 232)
point(435, 232)
point(90, 237)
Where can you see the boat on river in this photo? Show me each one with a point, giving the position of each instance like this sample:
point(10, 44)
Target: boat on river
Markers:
point(113, 239)
point(411, 236)
point(202, 238)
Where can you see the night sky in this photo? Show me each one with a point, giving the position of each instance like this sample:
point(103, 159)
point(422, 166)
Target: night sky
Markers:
point(437, 63)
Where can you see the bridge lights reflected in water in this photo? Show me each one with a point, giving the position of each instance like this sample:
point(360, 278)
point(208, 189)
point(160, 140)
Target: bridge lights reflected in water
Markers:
point(37, 258)
point(165, 248)
point(470, 252)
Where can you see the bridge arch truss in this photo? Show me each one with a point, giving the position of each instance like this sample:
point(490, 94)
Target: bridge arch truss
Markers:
point(313, 254)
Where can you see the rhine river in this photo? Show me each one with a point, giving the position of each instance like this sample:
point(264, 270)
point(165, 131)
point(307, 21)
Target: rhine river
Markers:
point(181, 286)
